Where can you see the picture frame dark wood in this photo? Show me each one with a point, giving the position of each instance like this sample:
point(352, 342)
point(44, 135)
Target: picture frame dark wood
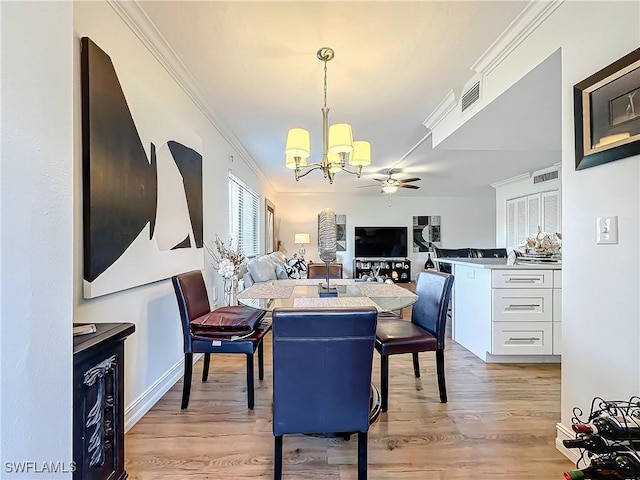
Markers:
point(607, 113)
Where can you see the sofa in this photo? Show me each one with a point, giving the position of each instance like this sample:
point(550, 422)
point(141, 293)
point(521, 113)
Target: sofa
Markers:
point(272, 266)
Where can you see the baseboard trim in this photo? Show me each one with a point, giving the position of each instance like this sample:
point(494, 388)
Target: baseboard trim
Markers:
point(141, 405)
point(563, 433)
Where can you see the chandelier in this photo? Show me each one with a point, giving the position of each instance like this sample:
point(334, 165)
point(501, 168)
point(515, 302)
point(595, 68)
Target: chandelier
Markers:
point(337, 142)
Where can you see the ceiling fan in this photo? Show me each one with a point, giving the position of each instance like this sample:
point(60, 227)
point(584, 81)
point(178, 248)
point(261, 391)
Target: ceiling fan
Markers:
point(391, 185)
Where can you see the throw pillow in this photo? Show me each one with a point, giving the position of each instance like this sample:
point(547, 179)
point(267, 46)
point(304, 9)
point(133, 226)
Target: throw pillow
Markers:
point(262, 269)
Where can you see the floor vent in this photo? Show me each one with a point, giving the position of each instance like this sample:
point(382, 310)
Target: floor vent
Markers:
point(545, 177)
point(471, 96)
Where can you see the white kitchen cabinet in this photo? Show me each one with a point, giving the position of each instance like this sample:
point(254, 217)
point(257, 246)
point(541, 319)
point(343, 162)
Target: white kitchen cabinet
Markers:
point(507, 313)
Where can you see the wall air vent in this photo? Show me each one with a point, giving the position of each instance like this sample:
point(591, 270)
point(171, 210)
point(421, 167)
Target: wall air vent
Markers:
point(545, 177)
point(471, 96)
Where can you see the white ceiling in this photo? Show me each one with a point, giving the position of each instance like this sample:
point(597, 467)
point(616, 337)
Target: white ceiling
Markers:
point(255, 65)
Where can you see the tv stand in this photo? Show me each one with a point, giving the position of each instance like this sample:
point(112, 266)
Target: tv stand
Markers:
point(397, 269)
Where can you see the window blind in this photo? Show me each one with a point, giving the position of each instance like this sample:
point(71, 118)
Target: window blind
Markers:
point(243, 217)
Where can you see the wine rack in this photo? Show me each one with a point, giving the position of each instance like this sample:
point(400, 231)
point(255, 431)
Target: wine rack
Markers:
point(608, 440)
point(398, 270)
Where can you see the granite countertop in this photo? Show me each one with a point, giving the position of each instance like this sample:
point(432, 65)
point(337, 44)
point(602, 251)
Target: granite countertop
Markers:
point(501, 263)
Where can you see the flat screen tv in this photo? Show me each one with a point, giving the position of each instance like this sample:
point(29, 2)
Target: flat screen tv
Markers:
point(376, 242)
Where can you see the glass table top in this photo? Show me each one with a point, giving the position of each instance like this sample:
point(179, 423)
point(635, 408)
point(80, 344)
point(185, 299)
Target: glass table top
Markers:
point(306, 294)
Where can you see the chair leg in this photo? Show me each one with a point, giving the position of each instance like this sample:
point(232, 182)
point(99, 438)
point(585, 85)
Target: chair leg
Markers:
point(186, 388)
point(362, 455)
point(205, 367)
point(250, 399)
point(260, 361)
point(384, 381)
point(416, 365)
point(442, 386)
point(277, 458)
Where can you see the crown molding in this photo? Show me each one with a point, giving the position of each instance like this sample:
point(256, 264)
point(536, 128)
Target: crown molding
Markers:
point(141, 25)
point(517, 178)
point(522, 26)
point(447, 104)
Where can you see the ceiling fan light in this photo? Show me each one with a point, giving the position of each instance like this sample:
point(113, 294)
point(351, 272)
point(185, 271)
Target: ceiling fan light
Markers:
point(361, 154)
point(340, 138)
point(291, 162)
point(298, 143)
point(389, 188)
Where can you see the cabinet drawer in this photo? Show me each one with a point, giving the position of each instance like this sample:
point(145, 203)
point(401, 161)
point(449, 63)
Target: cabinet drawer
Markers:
point(528, 305)
point(522, 279)
point(522, 338)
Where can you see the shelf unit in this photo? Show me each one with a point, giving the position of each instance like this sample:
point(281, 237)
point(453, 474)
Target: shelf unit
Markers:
point(397, 269)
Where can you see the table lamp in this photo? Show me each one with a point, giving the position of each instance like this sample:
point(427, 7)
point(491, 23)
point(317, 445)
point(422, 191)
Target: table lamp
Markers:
point(302, 239)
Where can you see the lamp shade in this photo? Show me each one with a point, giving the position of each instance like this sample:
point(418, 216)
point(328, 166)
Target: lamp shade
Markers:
point(302, 238)
point(340, 138)
point(335, 162)
point(298, 143)
point(390, 188)
point(291, 162)
point(361, 154)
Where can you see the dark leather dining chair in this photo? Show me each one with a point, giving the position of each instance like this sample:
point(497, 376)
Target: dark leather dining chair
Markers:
point(488, 253)
point(322, 360)
point(193, 304)
point(424, 333)
point(319, 271)
point(449, 253)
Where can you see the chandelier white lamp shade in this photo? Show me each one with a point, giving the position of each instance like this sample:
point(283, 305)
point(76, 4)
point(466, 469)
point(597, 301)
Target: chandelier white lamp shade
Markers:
point(302, 239)
point(337, 142)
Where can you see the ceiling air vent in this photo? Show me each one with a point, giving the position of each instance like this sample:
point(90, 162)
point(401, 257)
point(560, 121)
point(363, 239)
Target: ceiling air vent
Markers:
point(471, 96)
point(545, 177)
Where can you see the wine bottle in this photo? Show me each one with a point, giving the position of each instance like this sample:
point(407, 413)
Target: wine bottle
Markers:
point(590, 442)
point(601, 468)
point(613, 466)
point(616, 428)
point(595, 443)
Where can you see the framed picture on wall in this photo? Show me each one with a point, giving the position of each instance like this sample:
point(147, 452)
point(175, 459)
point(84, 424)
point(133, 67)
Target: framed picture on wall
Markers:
point(607, 113)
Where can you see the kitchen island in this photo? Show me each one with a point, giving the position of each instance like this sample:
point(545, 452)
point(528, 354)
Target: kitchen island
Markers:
point(507, 313)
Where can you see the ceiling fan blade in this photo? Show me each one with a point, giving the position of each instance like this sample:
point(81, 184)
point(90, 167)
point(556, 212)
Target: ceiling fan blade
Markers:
point(366, 186)
point(414, 179)
point(379, 179)
point(415, 187)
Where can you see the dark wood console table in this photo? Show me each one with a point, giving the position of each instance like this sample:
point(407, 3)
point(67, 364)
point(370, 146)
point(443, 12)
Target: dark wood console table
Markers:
point(98, 402)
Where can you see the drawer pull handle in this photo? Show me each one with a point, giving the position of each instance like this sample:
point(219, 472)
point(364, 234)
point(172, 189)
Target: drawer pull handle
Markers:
point(524, 339)
point(530, 306)
point(521, 279)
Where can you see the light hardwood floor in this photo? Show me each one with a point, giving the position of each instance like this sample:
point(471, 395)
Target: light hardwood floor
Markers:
point(499, 423)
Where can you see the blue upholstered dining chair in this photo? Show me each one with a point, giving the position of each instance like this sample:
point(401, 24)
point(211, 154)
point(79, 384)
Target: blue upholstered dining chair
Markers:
point(322, 360)
point(424, 333)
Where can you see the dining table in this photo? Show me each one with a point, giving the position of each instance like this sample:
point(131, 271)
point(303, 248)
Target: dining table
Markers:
point(307, 293)
point(388, 299)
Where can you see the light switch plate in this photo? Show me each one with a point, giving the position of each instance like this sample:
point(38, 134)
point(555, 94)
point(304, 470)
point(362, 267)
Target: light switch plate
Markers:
point(607, 232)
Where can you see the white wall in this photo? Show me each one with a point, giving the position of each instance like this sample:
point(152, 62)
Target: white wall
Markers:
point(601, 311)
point(154, 352)
point(466, 221)
point(36, 221)
point(515, 189)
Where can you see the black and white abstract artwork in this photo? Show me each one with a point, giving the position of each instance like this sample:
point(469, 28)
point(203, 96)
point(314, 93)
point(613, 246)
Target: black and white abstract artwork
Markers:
point(142, 185)
point(426, 233)
point(341, 226)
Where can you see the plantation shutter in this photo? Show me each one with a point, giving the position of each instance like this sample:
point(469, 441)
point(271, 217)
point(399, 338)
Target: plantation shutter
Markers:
point(243, 217)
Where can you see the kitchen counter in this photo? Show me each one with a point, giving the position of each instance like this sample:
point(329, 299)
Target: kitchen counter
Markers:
point(501, 263)
point(507, 313)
